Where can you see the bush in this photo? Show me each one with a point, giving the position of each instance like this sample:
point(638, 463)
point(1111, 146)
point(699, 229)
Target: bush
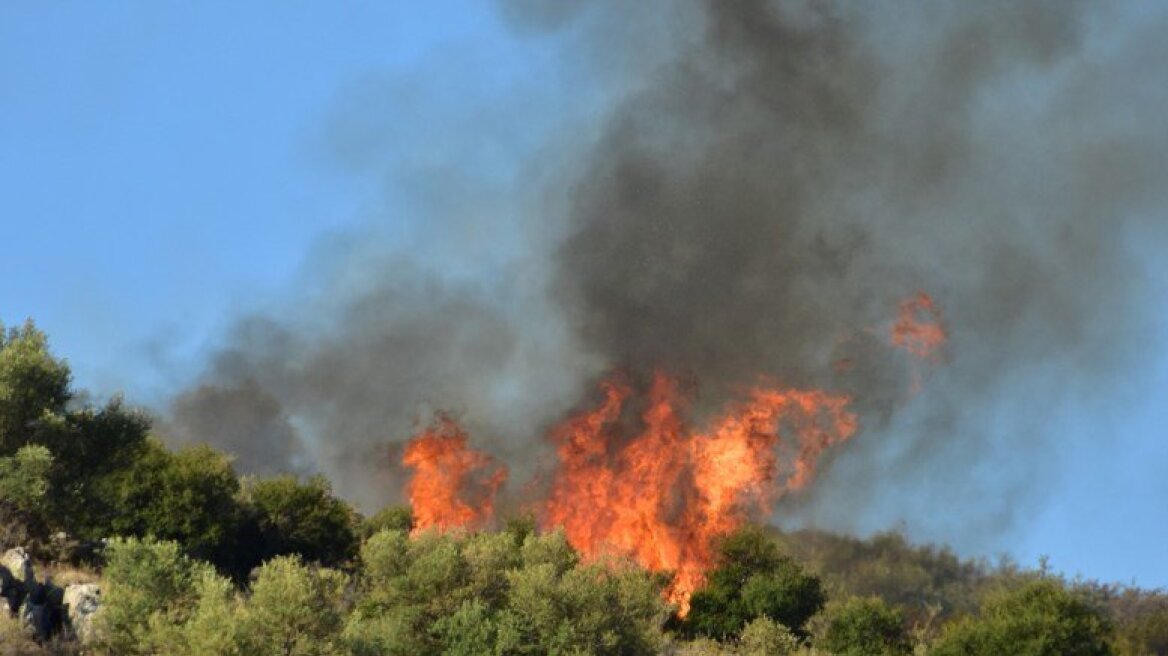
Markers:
point(1145, 632)
point(1041, 618)
point(765, 637)
point(294, 610)
point(864, 627)
point(148, 586)
point(595, 609)
point(393, 518)
point(33, 385)
point(484, 593)
point(752, 580)
point(212, 628)
point(24, 482)
point(85, 444)
point(188, 497)
point(289, 517)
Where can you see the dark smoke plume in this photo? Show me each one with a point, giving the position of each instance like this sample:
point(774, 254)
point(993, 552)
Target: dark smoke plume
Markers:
point(763, 187)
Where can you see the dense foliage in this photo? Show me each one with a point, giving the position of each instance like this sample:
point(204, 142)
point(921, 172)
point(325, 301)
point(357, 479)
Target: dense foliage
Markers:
point(200, 561)
point(752, 580)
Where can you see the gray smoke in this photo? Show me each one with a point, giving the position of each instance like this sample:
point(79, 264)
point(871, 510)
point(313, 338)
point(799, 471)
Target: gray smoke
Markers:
point(762, 186)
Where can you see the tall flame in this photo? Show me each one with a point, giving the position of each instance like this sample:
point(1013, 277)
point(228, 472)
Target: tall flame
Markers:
point(653, 488)
point(452, 485)
point(664, 493)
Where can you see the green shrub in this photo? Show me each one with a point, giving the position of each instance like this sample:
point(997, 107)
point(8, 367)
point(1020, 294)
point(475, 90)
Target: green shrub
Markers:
point(24, 482)
point(765, 637)
point(294, 610)
point(212, 627)
point(864, 627)
point(33, 385)
point(148, 587)
point(394, 518)
point(484, 593)
point(1041, 618)
point(751, 580)
point(188, 497)
point(289, 517)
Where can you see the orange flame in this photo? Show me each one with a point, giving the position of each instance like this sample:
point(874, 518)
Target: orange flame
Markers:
point(452, 485)
point(655, 489)
point(918, 328)
point(662, 495)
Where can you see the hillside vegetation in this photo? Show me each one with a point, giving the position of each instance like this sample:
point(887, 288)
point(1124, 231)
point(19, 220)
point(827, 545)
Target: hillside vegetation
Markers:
point(193, 559)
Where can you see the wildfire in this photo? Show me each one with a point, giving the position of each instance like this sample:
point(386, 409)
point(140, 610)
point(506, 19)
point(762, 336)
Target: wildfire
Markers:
point(662, 493)
point(658, 492)
point(918, 328)
point(452, 485)
point(652, 487)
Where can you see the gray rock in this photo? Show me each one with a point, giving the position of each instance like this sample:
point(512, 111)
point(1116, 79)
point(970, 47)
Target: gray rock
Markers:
point(19, 565)
point(17, 578)
point(81, 602)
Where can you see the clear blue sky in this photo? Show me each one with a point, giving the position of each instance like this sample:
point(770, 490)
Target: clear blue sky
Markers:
point(165, 165)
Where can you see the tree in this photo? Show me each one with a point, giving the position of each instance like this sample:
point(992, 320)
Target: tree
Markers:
point(394, 518)
point(1142, 622)
point(148, 586)
point(294, 610)
point(24, 482)
point(213, 626)
point(290, 517)
point(1040, 618)
point(864, 627)
point(752, 579)
point(589, 609)
point(188, 497)
point(484, 593)
point(33, 385)
point(765, 637)
point(86, 444)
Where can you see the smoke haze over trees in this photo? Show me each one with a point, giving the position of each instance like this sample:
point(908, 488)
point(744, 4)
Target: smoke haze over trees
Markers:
point(193, 560)
point(747, 190)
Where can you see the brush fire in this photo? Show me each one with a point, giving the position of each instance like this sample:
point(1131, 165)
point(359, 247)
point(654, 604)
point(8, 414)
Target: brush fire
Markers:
point(635, 477)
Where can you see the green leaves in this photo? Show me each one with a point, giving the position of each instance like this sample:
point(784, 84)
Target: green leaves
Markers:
point(484, 593)
point(24, 477)
point(33, 384)
point(864, 626)
point(752, 580)
point(1040, 618)
point(294, 610)
point(188, 496)
point(291, 517)
point(148, 586)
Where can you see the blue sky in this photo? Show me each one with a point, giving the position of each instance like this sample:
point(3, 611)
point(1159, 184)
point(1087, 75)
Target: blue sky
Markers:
point(163, 163)
point(166, 166)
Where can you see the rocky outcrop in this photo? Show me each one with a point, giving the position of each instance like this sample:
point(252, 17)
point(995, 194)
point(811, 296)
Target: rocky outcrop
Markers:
point(43, 608)
point(81, 602)
point(19, 564)
point(17, 578)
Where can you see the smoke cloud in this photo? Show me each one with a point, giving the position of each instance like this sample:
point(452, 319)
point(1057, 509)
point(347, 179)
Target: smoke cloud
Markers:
point(755, 194)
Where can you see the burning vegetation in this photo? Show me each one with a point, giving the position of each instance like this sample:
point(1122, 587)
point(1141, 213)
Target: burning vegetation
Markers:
point(636, 478)
point(660, 491)
point(918, 328)
point(452, 484)
point(654, 488)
